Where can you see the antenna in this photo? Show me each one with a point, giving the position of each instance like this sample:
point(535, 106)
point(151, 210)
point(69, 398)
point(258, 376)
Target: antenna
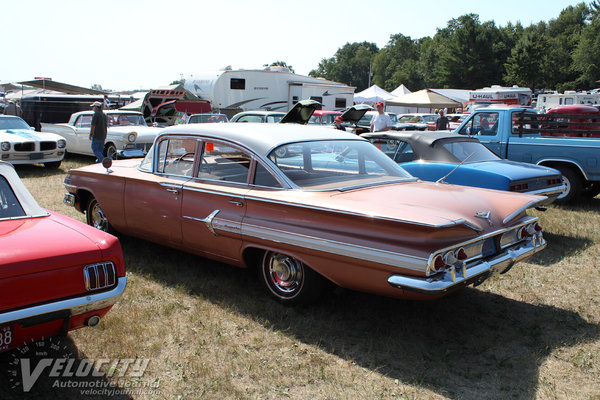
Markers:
point(441, 180)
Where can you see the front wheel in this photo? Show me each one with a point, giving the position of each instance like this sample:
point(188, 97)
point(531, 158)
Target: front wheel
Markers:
point(289, 280)
point(110, 151)
point(96, 218)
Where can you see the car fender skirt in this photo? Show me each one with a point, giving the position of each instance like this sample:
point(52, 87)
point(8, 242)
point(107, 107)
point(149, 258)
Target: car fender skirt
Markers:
point(454, 278)
point(75, 306)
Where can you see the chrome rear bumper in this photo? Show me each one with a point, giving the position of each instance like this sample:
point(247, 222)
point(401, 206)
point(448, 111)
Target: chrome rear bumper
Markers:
point(75, 306)
point(476, 273)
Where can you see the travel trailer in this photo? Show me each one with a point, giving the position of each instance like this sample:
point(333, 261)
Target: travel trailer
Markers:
point(273, 88)
point(568, 98)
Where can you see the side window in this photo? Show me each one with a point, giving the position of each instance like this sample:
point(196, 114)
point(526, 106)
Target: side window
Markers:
point(225, 163)
point(485, 124)
point(405, 153)
point(262, 177)
point(84, 121)
point(238, 83)
point(340, 103)
point(176, 156)
point(9, 205)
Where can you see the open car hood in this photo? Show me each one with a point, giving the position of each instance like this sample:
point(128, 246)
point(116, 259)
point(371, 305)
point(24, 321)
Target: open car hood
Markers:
point(301, 112)
point(355, 113)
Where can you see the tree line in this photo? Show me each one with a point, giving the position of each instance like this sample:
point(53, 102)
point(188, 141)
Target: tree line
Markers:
point(562, 54)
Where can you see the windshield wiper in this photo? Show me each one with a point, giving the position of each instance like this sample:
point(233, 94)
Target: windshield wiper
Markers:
point(441, 180)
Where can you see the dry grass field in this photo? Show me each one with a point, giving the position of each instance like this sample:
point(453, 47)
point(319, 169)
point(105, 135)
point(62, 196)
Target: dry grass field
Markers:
point(211, 332)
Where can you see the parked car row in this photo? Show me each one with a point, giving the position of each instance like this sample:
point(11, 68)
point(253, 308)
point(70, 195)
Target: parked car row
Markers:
point(405, 214)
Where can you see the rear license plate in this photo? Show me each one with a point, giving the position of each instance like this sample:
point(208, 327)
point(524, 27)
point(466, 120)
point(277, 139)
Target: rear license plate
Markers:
point(6, 337)
point(36, 156)
point(488, 247)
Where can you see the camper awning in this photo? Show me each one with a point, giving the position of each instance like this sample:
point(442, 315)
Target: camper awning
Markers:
point(60, 87)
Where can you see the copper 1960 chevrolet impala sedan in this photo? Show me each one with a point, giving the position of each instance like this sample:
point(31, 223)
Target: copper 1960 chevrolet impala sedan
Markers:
point(307, 205)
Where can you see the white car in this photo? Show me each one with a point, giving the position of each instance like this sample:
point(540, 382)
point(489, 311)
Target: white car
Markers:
point(128, 134)
point(20, 144)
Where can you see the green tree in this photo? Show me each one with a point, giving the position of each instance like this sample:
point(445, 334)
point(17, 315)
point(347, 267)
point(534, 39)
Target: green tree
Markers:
point(470, 56)
point(350, 65)
point(586, 57)
point(282, 64)
point(397, 63)
point(525, 65)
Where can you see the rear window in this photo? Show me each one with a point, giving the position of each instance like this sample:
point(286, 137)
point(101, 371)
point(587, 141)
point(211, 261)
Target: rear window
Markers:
point(9, 204)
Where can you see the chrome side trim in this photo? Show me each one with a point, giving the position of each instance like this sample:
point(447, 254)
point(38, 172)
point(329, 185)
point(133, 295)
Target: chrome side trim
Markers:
point(76, 306)
point(208, 221)
point(562, 160)
point(334, 247)
point(477, 273)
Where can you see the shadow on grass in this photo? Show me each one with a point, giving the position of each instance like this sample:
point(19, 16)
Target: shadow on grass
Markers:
point(469, 345)
point(39, 170)
point(45, 386)
point(559, 247)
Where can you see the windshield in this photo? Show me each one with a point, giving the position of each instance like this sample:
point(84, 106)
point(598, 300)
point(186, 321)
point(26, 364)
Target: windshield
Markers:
point(13, 123)
point(469, 151)
point(336, 164)
point(126, 120)
point(207, 118)
point(365, 120)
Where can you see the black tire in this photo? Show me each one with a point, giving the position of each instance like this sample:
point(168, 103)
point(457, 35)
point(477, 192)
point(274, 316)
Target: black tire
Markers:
point(53, 165)
point(290, 281)
point(591, 190)
point(95, 217)
point(573, 183)
point(110, 151)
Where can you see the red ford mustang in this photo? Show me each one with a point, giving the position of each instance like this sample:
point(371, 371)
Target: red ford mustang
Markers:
point(56, 274)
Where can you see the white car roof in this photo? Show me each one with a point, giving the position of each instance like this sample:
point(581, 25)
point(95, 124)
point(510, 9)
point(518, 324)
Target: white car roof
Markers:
point(262, 138)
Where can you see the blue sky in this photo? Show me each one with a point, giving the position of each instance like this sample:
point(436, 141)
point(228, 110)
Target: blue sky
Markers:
point(140, 44)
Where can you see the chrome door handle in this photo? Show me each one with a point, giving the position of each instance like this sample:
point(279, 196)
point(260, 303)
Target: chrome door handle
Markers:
point(173, 190)
point(238, 203)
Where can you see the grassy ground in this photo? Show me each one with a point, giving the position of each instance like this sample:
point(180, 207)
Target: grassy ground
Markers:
point(210, 331)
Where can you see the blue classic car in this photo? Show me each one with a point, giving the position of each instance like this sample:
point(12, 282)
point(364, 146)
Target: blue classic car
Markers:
point(461, 160)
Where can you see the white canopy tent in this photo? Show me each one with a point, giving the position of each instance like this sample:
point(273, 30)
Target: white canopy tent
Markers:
point(401, 90)
point(372, 95)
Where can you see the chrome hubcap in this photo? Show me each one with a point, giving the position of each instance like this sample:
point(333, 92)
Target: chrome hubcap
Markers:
point(99, 221)
point(285, 273)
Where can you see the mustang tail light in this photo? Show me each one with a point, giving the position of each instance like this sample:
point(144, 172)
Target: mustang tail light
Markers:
point(99, 276)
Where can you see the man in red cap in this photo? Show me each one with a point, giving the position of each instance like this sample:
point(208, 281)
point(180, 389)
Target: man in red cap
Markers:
point(338, 123)
point(381, 122)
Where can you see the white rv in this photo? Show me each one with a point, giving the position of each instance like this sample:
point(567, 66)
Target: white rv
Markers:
point(569, 97)
point(272, 88)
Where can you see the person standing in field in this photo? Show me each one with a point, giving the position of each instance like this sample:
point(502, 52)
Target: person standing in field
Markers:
point(441, 124)
point(381, 122)
point(98, 131)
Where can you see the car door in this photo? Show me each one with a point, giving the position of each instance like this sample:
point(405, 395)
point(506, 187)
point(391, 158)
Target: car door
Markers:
point(153, 204)
point(484, 126)
point(214, 202)
point(80, 143)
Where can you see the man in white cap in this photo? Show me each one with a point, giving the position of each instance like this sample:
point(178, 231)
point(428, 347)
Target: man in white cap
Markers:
point(381, 122)
point(98, 131)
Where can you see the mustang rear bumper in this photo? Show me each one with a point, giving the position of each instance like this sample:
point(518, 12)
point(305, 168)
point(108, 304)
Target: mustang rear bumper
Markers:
point(476, 273)
point(73, 306)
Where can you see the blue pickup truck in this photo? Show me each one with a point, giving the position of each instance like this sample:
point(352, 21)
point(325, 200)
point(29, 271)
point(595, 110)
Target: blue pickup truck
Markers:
point(515, 133)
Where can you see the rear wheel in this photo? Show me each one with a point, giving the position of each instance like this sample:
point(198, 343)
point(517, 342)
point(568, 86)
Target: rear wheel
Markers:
point(572, 182)
point(289, 280)
point(96, 218)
